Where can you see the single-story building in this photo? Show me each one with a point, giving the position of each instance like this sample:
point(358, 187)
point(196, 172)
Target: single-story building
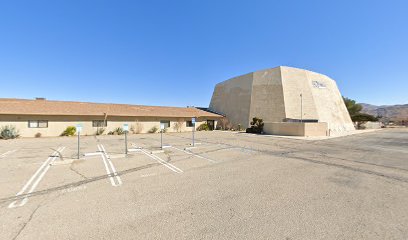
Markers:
point(51, 118)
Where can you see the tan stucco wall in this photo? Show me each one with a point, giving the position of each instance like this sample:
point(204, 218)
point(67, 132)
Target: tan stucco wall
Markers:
point(296, 129)
point(294, 83)
point(274, 94)
point(267, 101)
point(233, 98)
point(57, 124)
point(330, 105)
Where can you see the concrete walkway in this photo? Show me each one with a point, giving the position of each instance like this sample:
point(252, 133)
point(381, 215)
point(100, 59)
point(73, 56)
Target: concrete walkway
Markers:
point(314, 138)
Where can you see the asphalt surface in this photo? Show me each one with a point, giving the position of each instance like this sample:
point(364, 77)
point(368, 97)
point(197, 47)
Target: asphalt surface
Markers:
point(231, 186)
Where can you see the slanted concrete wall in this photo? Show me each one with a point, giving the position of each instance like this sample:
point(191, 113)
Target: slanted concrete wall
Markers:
point(329, 103)
point(296, 129)
point(233, 98)
point(267, 101)
point(295, 82)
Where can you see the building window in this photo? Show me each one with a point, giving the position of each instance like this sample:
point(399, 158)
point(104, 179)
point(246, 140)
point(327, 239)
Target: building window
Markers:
point(189, 124)
point(37, 123)
point(166, 123)
point(99, 123)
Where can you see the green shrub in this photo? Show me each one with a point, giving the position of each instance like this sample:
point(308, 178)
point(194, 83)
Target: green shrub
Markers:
point(9, 132)
point(256, 126)
point(100, 131)
point(203, 127)
point(153, 129)
point(37, 135)
point(69, 131)
point(119, 131)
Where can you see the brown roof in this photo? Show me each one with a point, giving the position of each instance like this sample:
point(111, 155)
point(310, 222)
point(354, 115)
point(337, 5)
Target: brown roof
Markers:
point(46, 107)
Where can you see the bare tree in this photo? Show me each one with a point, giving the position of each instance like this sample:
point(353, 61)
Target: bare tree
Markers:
point(178, 125)
point(137, 128)
point(224, 124)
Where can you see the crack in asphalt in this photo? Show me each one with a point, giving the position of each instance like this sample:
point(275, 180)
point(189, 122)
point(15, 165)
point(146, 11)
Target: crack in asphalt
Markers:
point(370, 172)
point(71, 167)
point(26, 223)
point(76, 184)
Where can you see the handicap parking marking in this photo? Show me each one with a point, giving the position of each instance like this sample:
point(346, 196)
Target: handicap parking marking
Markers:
point(163, 162)
point(110, 169)
point(7, 153)
point(193, 154)
point(36, 178)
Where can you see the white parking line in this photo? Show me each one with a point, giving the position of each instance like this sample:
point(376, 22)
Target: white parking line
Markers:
point(36, 178)
point(7, 153)
point(190, 153)
point(110, 169)
point(161, 161)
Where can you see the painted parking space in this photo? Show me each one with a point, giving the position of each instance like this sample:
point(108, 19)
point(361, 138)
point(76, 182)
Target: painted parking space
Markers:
point(32, 183)
point(19, 166)
point(102, 160)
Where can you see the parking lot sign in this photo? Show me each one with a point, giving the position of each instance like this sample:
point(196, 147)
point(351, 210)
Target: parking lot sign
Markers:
point(79, 128)
point(193, 120)
point(126, 127)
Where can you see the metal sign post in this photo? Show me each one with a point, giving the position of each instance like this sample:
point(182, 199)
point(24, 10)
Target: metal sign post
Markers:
point(161, 135)
point(193, 121)
point(126, 130)
point(79, 130)
point(301, 108)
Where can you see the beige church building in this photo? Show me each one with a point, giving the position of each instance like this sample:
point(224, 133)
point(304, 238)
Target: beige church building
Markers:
point(51, 118)
point(290, 101)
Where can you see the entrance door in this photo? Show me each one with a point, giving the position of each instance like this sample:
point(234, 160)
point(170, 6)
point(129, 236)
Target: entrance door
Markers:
point(210, 124)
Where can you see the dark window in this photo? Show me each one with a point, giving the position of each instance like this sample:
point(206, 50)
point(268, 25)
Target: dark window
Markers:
point(166, 123)
point(99, 123)
point(189, 124)
point(37, 123)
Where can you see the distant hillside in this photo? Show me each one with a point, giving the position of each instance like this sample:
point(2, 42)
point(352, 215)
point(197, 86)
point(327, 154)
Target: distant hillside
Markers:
point(392, 112)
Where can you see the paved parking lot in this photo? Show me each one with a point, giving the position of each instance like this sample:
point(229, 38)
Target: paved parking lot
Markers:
point(231, 186)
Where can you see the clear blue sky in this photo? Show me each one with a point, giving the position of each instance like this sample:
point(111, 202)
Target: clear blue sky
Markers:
point(174, 52)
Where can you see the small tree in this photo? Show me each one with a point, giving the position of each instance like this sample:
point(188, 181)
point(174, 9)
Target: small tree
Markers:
point(136, 128)
point(354, 110)
point(178, 125)
point(352, 107)
point(224, 124)
point(256, 126)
